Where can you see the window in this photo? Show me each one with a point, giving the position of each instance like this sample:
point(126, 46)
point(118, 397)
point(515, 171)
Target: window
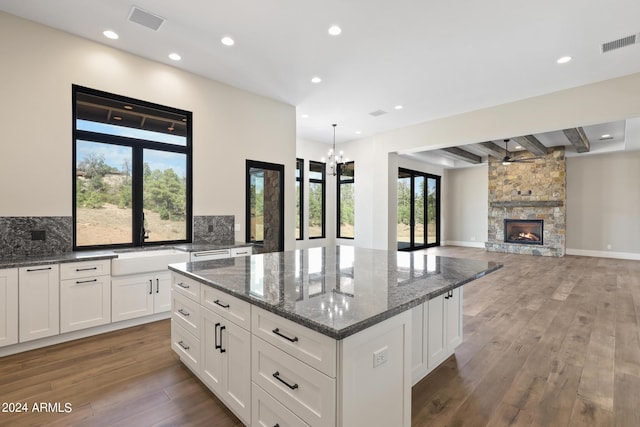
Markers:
point(418, 210)
point(317, 179)
point(132, 171)
point(299, 198)
point(346, 201)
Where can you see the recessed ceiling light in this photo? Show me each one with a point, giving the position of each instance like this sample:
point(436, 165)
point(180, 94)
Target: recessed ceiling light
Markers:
point(116, 118)
point(518, 147)
point(606, 136)
point(316, 79)
point(334, 30)
point(398, 107)
point(563, 60)
point(127, 107)
point(358, 132)
point(175, 57)
point(227, 41)
point(170, 128)
point(305, 116)
point(111, 34)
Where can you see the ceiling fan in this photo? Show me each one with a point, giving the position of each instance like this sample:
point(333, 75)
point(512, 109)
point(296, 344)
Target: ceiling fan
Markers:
point(506, 160)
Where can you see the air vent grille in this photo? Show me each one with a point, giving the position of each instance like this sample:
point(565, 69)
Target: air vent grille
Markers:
point(617, 44)
point(377, 113)
point(146, 19)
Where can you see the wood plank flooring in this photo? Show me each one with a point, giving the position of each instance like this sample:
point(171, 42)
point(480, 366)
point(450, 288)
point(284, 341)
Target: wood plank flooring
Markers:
point(547, 342)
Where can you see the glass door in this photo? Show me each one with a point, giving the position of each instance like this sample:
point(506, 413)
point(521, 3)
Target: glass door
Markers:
point(418, 210)
point(265, 206)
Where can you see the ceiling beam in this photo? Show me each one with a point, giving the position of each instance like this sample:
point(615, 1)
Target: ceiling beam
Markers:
point(578, 139)
point(491, 149)
point(531, 144)
point(464, 155)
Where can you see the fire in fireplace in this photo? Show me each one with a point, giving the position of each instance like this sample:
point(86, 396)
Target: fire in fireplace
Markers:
point(526, 231)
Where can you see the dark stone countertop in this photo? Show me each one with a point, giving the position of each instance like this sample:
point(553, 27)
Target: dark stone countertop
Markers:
point(77, 256)
point(338, 290)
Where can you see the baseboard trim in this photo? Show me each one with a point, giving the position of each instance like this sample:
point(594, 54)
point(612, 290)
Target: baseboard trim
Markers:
point(84, 333)
point(604, 254)
point(464, 244)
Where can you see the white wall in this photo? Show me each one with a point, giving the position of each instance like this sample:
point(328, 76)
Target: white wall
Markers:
point(467, 197)
point(603, 205)
point(40, 65)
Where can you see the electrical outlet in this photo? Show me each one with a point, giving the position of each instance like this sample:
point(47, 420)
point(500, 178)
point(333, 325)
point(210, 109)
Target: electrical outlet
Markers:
point(380, 356)
point(38, 235)
point(237, 227)
point(210, 228)
point(609, 246)
point(473, 238)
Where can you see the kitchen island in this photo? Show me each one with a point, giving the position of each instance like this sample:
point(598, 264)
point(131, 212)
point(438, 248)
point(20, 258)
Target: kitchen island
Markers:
point(330, 336)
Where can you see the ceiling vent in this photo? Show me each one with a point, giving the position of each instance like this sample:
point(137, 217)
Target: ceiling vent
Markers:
point(377, 113)
point(617, 44)
point(146, 19)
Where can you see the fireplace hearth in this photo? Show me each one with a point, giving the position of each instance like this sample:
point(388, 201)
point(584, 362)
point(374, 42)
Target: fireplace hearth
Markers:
point(524, 231)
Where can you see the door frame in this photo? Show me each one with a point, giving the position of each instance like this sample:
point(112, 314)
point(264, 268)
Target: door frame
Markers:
point(412, 245)
point(255, 164)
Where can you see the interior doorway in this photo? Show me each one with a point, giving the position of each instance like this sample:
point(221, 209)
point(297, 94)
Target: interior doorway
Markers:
point(418, 210)
point(265, 206)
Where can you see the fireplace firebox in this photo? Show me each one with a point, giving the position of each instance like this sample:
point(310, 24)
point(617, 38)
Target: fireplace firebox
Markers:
point(525, 231)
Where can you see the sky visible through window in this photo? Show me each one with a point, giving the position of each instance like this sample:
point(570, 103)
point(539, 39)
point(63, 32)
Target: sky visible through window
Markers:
point(116, 156)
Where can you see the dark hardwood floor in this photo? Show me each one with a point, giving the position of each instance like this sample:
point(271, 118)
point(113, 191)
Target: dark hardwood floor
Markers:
point(547, 342)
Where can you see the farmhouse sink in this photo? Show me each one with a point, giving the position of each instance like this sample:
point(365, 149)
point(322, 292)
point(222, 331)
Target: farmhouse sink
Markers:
point(145, 261)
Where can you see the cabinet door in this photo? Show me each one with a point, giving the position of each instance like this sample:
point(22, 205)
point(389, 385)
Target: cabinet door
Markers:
point(85, 303)
point(437, 345)
point(8, 306)
point(39, 303)
point(162, 292)
point(211, 357)
point(454, 320)
point(236, 343)
point(131, 297)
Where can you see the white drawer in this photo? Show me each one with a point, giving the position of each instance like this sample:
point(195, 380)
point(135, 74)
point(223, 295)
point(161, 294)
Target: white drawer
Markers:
point(186, 313)
point(79, 270)
point(268, 412)
point(244, 251)
point(186, 286)
point(227, 306)
point(306, 392)
point(187, 346)
point(310, 346)
point(209, 255)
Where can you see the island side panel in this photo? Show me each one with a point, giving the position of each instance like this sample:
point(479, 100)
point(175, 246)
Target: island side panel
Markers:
point(374, 380)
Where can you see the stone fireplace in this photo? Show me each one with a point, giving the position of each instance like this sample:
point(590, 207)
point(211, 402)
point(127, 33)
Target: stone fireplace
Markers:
point(534, 196)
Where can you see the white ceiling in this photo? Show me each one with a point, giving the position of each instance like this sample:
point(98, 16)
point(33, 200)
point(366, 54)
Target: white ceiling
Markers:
point(435, 57)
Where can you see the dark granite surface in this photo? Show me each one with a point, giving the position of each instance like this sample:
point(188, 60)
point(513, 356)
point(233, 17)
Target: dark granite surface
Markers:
point(37, 259)
point(28, 261)
point(338, 290)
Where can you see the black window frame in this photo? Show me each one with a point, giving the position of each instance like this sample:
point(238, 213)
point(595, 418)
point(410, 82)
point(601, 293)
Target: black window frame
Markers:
point(413, 174)
point(137, 147)
point(322, 181)
point(339, 182)
point(300, 201)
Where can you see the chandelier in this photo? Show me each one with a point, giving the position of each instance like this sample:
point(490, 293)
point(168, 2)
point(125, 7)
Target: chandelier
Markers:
point(336, 161)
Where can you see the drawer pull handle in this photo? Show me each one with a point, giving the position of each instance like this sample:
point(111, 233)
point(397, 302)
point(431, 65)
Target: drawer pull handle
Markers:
point(78, 282)
point(86, 269)
point(222, 350)
point(184, 313)
point(276, 375)
point(38, 269)
point(215, 336)
point(221, 304)
point(280, 334)
point(183, 286)
point(181, 344)
point(150, 287)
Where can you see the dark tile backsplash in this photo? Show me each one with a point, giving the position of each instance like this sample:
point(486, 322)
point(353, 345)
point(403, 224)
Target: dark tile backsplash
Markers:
point(216, 229)
point(35, 235)
point(46, 235)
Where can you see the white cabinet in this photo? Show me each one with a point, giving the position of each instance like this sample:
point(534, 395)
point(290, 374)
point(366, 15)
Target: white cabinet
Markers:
point(85, 295)
point(39, 303)
point(436, 332)
point(226, 361)
point(8, 306)
point(140, 295)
